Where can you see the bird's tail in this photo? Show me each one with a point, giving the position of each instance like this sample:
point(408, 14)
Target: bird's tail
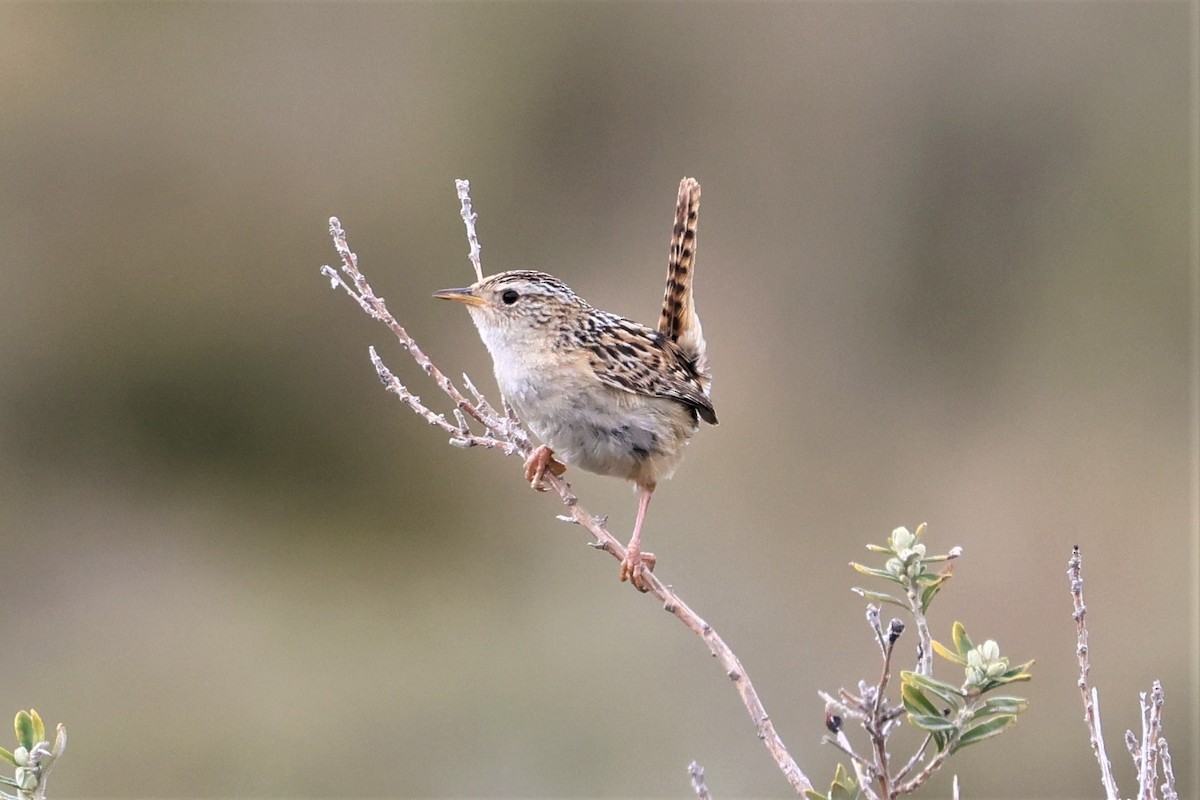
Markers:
point(679, 320)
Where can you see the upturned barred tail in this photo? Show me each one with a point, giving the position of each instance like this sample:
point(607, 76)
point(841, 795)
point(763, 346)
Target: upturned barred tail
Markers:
point(678, 320)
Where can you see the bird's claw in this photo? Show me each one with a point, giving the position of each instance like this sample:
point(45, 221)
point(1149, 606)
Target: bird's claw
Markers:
point(635, 565)
point(539, 462)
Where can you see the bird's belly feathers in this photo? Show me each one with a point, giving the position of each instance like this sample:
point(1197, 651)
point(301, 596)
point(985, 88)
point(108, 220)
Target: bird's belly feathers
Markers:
point(605, 430)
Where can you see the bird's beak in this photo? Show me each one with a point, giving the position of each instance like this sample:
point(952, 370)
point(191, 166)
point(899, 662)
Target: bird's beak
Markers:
point(460, 296)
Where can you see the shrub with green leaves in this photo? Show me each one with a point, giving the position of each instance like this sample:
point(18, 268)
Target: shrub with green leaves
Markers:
point(33, 757)
point(951, 715)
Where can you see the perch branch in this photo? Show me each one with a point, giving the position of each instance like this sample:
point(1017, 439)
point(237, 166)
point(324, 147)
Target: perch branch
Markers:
point(504, 432)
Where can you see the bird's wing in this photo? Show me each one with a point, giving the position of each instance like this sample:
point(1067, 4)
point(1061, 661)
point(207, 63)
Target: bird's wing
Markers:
point(635, 359)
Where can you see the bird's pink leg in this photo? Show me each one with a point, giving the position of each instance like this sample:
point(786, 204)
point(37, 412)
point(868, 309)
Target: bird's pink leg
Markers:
point(636, 563)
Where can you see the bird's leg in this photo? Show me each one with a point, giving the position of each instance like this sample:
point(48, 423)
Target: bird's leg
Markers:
point(539, 462)
point(636, 563)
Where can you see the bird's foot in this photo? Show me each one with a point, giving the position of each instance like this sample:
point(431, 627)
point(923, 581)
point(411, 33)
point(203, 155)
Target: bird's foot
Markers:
point(540, 462)
point(635, 565)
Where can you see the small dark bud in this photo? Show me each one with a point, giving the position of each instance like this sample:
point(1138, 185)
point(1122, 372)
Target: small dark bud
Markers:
point(833, 722)
point(895, 628)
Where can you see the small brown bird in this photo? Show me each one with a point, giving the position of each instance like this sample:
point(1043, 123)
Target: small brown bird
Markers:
point(604, 393)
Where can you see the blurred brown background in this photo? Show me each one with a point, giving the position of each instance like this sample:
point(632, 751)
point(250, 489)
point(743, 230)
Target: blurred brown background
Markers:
point(944, 272)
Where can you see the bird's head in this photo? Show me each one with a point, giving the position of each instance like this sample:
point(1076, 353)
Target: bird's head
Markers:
point(513, 306)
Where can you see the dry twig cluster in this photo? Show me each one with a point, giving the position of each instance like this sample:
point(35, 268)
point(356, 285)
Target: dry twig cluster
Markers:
point(1150, 751)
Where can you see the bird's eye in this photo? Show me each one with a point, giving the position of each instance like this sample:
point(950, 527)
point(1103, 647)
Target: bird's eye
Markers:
point(509, 297)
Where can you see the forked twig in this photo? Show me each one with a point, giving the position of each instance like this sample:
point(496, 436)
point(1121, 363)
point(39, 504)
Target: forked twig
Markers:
point(504, 432)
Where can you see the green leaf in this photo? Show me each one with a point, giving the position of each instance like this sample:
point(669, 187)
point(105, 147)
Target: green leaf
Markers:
point(7, 756)
point(931, 722)
point(985, 730)
point(962, 642)
point(951, 695)
point(875, 573)
point(1015, 675)
point(930, 592)
point(915, 701)
point(936, 578)
point(843, 787)
point(1003, 705)
point(878, 597)
point(875, 548)
point(39, 727)
point(7, 781)
point(1019, 672)
point(948, 654)
point(60, 740)
point(23, 725)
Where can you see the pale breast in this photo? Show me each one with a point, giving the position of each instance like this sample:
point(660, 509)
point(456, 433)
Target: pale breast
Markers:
point(603, 430)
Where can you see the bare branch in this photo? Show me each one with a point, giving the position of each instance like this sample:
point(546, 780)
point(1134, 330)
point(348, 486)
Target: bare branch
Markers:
point(863, 769)
point(374, 306)
point(916, 759)
point(698, 785)
point(1091, 698)
point(877, 726)
point(925, 774)
point(1151, 732)
point(846, 705)
point(504, 432)
point(674, 605)
point(469, 216)
point(924, 637)
point(1168, 787)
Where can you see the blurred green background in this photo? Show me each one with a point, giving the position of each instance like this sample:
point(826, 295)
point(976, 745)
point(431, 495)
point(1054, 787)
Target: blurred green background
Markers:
point(943, 270)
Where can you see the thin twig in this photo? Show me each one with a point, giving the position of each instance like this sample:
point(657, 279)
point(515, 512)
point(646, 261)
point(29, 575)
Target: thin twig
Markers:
point(924, 636)
point(469, 216)
point(1091, 698)
point(698, 785)
point(1151, 731)
point(863, 769)
point(846, 704)
point(1168, 787)
point(840, 741)
point(925, 774)
point(375, 307)
point(877, 728)
point(916, 758)
point(504, 432)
